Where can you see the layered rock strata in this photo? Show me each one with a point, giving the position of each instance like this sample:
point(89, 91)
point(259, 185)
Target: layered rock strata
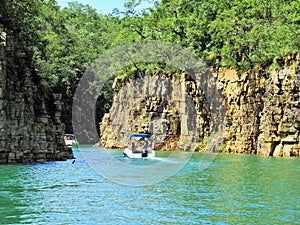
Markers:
point(262, 111)
point(30, 125)
point(172, 108)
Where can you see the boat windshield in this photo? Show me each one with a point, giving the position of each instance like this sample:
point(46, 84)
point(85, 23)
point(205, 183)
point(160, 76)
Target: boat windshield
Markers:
point(139, 141)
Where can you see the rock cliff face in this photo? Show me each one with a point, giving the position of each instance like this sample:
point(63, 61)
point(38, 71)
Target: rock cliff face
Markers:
point(30, 126)
point(172, 108)
point(262, 111)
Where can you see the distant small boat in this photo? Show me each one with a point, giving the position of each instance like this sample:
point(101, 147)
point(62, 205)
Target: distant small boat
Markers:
point(138, 147)
point(70, 140)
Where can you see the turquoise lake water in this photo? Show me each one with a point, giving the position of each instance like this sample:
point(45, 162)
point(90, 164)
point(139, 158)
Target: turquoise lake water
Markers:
point(234, 189)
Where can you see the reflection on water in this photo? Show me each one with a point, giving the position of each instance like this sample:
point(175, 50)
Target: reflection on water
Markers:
point(235, 189)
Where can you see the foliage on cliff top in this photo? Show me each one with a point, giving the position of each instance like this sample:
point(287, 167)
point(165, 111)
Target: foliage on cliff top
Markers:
point(240, 34)
point(234, 33)
point(228, 33)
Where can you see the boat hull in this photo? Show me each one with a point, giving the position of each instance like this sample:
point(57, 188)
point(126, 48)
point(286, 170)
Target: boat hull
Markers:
point(138, 154)
point(71, 142)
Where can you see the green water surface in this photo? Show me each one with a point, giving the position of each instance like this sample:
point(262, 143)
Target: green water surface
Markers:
point(235, 189)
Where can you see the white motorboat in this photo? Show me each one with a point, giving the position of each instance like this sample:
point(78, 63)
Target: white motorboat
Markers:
point(70, 140)
point(138, 147)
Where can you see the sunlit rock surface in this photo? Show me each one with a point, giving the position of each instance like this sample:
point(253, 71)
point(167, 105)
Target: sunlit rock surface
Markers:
point(262, 111)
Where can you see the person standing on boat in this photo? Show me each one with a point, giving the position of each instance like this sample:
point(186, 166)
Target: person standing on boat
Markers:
point(145, 147)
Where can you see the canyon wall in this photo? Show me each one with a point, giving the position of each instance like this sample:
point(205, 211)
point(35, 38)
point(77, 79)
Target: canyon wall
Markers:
point(172, 108)
point(263, 110)
point(261, 116)
point(30, 126)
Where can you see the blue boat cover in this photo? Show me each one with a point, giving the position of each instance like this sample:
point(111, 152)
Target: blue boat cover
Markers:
point(139, 135)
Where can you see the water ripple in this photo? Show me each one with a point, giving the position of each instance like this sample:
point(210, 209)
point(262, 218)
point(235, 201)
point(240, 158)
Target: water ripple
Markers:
point(235, 189)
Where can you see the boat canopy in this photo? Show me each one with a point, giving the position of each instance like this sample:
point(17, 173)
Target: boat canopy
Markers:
point(72, 136)
point(139, 135)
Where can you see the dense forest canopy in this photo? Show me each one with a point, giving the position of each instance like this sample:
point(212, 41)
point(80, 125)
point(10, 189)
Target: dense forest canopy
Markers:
point(64, 42)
